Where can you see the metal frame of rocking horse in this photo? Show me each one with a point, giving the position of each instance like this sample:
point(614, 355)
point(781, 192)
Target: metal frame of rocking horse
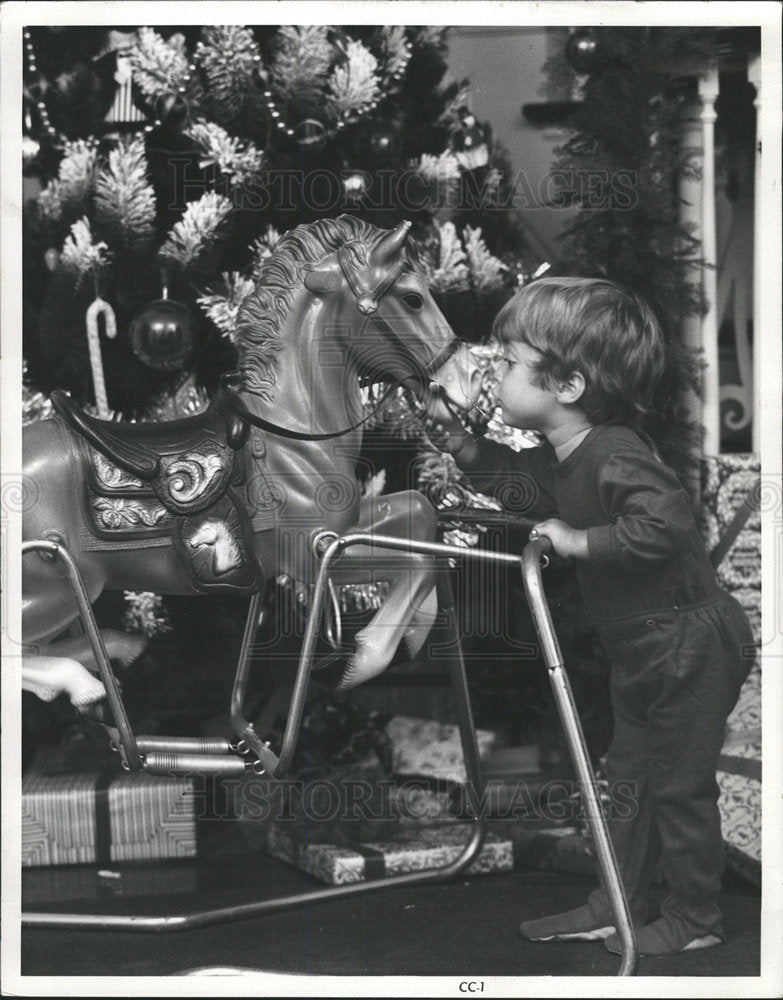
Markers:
point(217, 756)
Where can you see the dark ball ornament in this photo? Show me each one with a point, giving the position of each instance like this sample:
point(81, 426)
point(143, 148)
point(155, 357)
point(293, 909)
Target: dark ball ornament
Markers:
point(161, 335)
point(311, 134)
point(584, 52)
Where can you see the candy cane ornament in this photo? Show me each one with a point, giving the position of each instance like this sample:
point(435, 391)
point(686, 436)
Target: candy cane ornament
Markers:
point(99, 308)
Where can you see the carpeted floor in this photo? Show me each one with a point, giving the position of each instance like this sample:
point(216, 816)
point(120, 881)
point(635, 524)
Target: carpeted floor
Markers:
point(466, 926)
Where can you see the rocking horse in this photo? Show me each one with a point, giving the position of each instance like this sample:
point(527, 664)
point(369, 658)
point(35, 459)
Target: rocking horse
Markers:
point(260, 486)
point(250, 490)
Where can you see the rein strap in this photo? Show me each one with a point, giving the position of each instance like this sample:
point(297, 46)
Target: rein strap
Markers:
point(237, 406)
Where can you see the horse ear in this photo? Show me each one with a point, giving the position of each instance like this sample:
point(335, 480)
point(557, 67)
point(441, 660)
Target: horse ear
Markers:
point(321, 282)
point(391, 245)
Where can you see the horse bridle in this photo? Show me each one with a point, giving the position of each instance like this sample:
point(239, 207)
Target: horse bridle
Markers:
point(367, 301)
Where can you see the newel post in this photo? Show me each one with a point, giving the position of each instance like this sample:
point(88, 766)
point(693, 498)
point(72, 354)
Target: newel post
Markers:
point(708, 92)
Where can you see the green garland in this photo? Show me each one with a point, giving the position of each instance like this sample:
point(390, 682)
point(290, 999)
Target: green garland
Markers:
point(623, 163)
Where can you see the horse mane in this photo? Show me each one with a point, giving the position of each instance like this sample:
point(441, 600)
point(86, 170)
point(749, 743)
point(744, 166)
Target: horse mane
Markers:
point(262, 314)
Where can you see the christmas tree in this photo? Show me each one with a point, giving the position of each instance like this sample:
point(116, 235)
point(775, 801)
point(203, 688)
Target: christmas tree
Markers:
point(167, 162)
point(171, 160)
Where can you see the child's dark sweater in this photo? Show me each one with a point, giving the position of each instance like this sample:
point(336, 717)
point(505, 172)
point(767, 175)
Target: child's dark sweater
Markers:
point(645, 551)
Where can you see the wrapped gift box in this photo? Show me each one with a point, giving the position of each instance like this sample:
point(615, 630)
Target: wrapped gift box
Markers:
point(414, 849)
point(415, 801)
point(381, 808)
point(103, 814)
point(425, 747)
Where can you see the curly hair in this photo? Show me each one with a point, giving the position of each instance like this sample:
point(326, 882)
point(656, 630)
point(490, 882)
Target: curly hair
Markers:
point(595, 327)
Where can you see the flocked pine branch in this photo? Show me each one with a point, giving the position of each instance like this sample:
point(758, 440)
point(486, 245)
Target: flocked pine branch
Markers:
point(145, 613)
point(396, 50)
point(301, 62)
point(451, 272)
point(228, 56)
point(354, 85)
point(443, 169)
point(160, 66)
point(453, 108)
point(429, 36)
point(236, 159)
point(263, 247)
point(124, 200)
point(222, 301)
point(197, 230)
point(486, 271)
point(74, 181)
point(81, 254)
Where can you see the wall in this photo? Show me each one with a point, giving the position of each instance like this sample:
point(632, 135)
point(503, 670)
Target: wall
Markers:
point(504, 67)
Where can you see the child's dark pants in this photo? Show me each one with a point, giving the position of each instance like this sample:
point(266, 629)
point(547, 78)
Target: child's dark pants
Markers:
point(675, 678)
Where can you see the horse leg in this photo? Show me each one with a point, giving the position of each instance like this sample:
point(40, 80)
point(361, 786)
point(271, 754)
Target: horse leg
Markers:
point(121, 647)
point(51, 668)
point(410, 607)
point(50, 676)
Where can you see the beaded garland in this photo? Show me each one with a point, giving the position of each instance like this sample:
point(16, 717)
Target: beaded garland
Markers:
point(32, 68)
point(268, 96)
point(276, 115)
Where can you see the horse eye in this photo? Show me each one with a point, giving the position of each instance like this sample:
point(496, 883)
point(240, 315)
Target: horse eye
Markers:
point(413, 299)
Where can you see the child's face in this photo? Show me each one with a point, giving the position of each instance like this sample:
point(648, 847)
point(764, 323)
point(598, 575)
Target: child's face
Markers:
point(524, 404)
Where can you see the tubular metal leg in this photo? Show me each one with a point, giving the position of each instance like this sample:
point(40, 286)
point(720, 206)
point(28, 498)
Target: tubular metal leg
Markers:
point(530, 564)
point(128, 747)
point(531, 568)
point(202, 918)
point(459, 681)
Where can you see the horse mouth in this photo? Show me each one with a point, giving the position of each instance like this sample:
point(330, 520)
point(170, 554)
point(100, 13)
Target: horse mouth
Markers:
point(459, 379)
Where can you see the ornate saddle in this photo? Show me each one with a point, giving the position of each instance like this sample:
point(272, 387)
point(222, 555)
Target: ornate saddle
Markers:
point(148, 451)
point(187, 479)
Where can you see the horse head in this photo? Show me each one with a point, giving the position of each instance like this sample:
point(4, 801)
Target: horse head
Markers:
point(368, 289)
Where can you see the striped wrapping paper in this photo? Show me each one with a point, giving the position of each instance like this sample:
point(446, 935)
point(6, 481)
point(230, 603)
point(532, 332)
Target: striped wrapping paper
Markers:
point(105, 815)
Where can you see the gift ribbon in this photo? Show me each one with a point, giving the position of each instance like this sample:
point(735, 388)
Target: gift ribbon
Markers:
point(374, 861)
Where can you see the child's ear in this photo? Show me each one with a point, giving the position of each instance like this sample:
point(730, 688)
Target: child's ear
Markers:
point(571, 389)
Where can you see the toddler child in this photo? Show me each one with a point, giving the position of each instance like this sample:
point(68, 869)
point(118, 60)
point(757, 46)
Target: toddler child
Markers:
point(582, 359)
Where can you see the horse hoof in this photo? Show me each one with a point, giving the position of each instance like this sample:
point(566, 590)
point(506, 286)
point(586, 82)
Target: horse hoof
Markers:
point(97, 711)
point(50, 676)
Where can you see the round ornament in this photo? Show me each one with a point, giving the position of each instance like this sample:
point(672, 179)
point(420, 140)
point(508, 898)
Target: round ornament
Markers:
point(310, 133)
point(52, 258)
point(355, 187)
point(584, 52)
point(30, 149)
point(161, 335)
